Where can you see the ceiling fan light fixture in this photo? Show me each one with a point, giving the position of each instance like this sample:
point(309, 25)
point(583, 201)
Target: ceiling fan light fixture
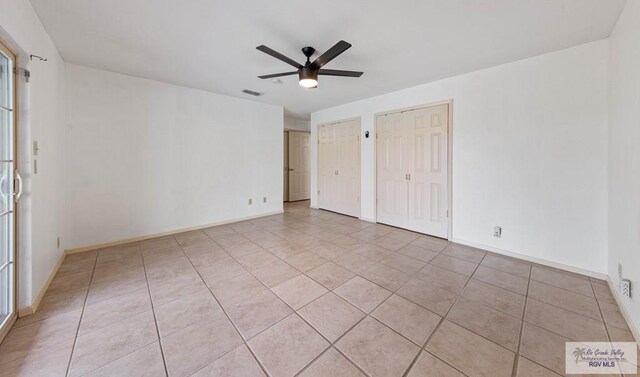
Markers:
point(308, 77)
point(308, 83)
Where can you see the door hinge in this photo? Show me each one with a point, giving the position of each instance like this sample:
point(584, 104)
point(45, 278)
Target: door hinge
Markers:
point(447, 213)
point(318, 192)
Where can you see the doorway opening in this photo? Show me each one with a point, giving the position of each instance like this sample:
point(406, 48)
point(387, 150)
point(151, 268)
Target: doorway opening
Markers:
point(297, 166)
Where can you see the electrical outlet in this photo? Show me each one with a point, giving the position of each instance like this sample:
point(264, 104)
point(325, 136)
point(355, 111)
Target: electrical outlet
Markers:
point(250, 201)
point(497, 232)
point(264, 200)
point(625, 288)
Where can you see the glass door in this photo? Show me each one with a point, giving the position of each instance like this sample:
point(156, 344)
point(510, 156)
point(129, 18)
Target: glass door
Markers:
point(7, 189)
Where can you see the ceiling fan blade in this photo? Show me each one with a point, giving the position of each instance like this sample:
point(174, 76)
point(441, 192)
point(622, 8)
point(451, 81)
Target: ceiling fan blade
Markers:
point(278, 75)
point(278, 56)
point(331, 54)
point(338, 72)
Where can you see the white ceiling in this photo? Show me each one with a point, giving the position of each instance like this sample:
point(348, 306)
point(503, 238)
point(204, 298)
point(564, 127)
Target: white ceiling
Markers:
point(210, 44)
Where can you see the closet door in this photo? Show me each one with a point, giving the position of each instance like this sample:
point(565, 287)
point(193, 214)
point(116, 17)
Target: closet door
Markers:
point(299, 166)
point(428, 193)
point(348, 167)
point(326, 171)
point(339, 167)
point(392, 169)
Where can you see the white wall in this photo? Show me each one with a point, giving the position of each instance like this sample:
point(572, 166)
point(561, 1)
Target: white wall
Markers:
point(296, 124)
point(529, 154)
point(145, 157)
point(624, 153)
point(42, 214)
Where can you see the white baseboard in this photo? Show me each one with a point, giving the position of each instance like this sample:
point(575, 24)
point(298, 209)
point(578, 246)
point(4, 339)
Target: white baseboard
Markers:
point(367, 219)
point(623, 309)
point(543, 262)
point(28, 310)
point(168, 233)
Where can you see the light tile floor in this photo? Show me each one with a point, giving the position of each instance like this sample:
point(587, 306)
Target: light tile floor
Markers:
point(307, 293)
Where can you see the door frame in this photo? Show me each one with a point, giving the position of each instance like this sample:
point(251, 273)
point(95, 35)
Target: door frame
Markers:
point(288, 132)
point(285, 165)
point(318, 127)
point(449, 104)
point(12, 54)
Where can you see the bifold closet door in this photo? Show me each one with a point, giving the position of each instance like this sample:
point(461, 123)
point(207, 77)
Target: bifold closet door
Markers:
point(412, 182)
point(393, 166)
point(299, 166)
point(428, 184)
point(339, 167)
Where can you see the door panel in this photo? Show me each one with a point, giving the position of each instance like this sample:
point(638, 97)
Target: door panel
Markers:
point(7, 203)
point(299, 166)
point(392, 169)
point(428, 180)
point(339, 167)
point(349, 168)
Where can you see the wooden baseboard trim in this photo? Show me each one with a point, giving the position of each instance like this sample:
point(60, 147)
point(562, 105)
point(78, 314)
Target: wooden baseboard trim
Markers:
point(543, 262)
point(28, 310)
point(169, 233)
point(623, 309)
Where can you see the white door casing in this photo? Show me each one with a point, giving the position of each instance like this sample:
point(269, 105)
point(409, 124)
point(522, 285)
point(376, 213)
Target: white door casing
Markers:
point(285, 164)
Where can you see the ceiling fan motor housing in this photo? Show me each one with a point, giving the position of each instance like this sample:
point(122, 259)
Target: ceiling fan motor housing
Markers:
point(306, 73)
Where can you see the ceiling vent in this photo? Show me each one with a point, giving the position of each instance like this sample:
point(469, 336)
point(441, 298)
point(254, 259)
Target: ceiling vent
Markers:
point(251, 92)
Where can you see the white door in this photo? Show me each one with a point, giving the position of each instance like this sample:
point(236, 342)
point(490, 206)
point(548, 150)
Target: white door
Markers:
point(412, 180)
point(285, 164)
point(348, 168)
point(428, 192)
point(8, 188)
point(392, 169)
point(339, 167)
point(326, 166)
point(299, 166)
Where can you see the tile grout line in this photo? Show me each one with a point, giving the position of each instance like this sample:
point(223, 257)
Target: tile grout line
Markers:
point(444, 317)
point(153, 311)
point(331, 344)
point(287, 304)
point(244, 341)
point(321, 220)
point(84, 305)
point(514, 372)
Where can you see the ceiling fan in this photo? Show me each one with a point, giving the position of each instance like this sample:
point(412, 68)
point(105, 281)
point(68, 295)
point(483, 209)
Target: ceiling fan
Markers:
point(308, 73)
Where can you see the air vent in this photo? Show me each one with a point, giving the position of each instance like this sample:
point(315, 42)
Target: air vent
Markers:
point(251, 93)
